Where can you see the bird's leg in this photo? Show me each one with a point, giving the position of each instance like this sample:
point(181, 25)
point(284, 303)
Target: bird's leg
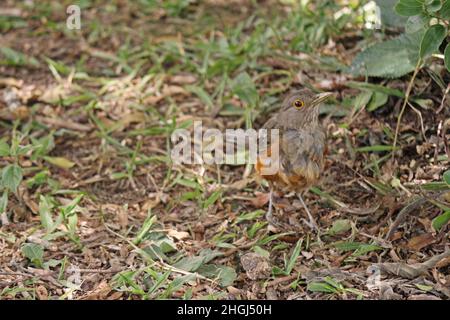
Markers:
point(269, 216)
point(312, 222)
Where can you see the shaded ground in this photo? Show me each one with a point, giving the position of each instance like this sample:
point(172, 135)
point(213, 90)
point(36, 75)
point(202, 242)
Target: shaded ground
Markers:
point(102, 213)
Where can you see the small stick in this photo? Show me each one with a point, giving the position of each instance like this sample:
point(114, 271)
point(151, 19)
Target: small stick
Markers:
point(405, 102)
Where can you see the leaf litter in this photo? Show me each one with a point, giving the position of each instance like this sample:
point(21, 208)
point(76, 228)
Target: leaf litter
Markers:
point(95, 210)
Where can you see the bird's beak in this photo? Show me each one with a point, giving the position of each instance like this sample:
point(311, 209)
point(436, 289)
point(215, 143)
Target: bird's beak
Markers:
point(321, 97)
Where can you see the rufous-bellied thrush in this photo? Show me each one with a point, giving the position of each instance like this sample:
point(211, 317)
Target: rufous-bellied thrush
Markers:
point(301, 146)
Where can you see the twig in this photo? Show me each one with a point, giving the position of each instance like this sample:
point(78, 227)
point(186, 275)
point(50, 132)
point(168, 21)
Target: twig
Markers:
point(100, 270)
point(64, 123)
point(405, 102)
point(282, 280)
point(409, 208)
point(443, 99)
point(411, 271)
point(403, 213)
point(421, 120)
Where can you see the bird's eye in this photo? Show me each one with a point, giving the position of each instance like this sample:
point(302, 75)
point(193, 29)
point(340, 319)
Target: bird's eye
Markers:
point(298, 104)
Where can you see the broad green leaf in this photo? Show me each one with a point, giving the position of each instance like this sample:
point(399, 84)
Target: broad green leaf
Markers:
point(362, 99)
point(340, 226)
point(375, 88)
point(60, 162)
point(245, 89)
point(190, 264)
point(399, 57)
point(432, 39)
point(11, 177)
point(4, 148)
point(409, 7)
point(416, 23)
point(447, 57)
point(446, 176)
point(433, 5)
point(226, 275)
point(378, 100)
point(209, 254)
point(441, 221)
point(34, 253)
point(388, 16)
point(4, 201)
point(45, 213)
point(444, 13)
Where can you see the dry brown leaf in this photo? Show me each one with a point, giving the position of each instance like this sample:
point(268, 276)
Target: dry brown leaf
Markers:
point(184, 78)
point(134, 117)
point(122, 216)
point(255, 266)
point(41, 293)
point(151, 203)
point(260, 200)
point(10, 82)
point(421, 241)
point(179, 235)
point(100, 292)
point(240, 184)
point(173, 90)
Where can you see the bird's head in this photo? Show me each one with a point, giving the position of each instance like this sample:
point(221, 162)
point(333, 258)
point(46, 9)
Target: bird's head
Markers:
point(300, 108)
point(304, 100)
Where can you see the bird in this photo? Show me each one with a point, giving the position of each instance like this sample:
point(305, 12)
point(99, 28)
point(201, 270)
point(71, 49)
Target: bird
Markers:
point(301, 147)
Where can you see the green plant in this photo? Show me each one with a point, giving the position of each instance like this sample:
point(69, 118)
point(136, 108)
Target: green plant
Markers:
point(425, 30)
point(12, 174)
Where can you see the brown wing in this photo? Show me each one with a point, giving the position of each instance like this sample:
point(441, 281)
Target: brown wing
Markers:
point(303, 156)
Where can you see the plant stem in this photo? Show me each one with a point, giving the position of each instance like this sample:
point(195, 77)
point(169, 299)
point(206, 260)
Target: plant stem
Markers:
point(405, 102)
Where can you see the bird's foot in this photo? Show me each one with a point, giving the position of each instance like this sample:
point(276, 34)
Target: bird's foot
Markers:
point(311, 223)
point(273, 221)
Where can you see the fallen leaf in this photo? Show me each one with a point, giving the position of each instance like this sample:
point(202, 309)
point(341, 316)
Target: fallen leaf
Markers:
point(179, 235)
point(122, 216)
point(260, 200)
point(255, 266)
point(421, 241)
point(184, 78)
